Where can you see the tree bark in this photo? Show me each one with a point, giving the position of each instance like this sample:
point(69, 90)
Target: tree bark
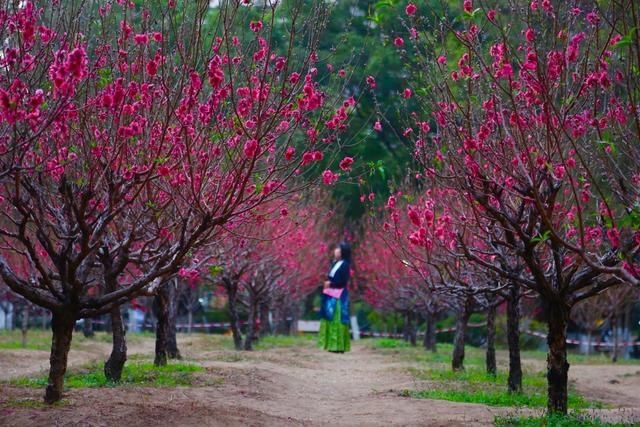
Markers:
point(557, 364)
point(114, 365)
point(232, 292)
point(265, 325)
point(491, 340)
point(251, 326)
point(25, 324)
point(462, 320)
point(161, 305)
point(189, 321)
point(514, 381)
point(87, 328)
point(614, 336)
point(430, 332)
point(62, 324)
point(172, 340)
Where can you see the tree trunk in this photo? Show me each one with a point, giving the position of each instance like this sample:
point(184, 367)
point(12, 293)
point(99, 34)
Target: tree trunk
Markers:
point(232, 291)
point(87, 328)
point(457, 362)
point(265, 325)
point(491, 339)
point(614, 335)
point(411, 327)
point(251, 326)
point(115, 364)
point(172, 340)
point(514, 382)
point(430, 332)
point(557, 364)
point(189, 321)
point(25, 324)
point(161, 305)
point(62, 324)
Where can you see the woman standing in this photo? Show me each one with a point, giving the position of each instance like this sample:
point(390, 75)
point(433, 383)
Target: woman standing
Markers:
point(334, 325)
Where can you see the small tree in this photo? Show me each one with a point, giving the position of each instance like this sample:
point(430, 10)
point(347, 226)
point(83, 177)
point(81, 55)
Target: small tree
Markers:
point(128, 142)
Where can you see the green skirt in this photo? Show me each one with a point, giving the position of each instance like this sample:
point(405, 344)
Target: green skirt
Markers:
point(334, 335)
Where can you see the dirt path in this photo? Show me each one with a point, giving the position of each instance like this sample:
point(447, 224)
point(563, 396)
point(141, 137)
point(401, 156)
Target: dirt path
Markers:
point(292, 386)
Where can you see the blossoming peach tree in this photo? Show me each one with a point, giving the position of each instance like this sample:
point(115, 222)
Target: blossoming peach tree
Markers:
point(129, 136)
point(534, 128)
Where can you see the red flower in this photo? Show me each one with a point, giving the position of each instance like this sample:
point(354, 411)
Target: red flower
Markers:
point(251, 148)
point(398, 41)
point(406, 93)
point(411, 9)
point(255, 26)
point(377, 126)
point(346, 163)
point(329, 178)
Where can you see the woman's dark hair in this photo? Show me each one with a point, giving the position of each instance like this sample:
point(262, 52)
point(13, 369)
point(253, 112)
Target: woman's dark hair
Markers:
point(345, 249)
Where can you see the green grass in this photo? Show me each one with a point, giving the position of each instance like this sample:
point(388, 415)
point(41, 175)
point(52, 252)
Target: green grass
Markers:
point(498, 397)
point(39, 339)
point(571, 420)
point(472, 385)
point(142, 373)
point(286, 341)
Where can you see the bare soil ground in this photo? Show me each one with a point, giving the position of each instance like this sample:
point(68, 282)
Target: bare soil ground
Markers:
point(278, 387)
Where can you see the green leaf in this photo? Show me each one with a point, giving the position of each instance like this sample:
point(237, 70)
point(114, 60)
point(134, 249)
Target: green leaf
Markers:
point(215, 270)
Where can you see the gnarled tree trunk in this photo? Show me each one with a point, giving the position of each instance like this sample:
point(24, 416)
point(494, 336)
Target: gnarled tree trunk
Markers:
point(25, 324)
point(410, 327)
point(462, 320)
point(161, 308)
point(234, 318)
point(614, 337)
point(172, 339)
point(114, 365)
point(491, 339)
point(557, 364)
point(514, 382)
point(62, 323)
point(87, 328)
point(265, 324)
point(251, 326)
point(430, 332)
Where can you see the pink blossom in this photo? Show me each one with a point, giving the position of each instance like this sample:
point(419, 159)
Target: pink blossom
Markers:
point(251, 148)
point(406, 93)
point(329, 178)
point(614, 237)
point(141, 39)
point(255, 26)
point(442, 60)
point(377, 126)
point(467, 5)
point(289, 153)
point(345, 164)
point(391, 202)
point(371, 81)
point(411, 9)
point(530, 34)
point(398, 42)
point(491, 15)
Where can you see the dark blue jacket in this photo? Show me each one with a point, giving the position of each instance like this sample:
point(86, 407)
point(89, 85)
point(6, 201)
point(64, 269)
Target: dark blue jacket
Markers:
point(341, 277)
point(339, 280)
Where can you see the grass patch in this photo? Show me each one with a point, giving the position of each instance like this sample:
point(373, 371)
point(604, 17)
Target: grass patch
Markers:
point(286, 341)
point(474, 385)
point(39, 339)
point(496, 397)
point(379, 343)
point(30, 402)
point(572, 420)
point(135, 373)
